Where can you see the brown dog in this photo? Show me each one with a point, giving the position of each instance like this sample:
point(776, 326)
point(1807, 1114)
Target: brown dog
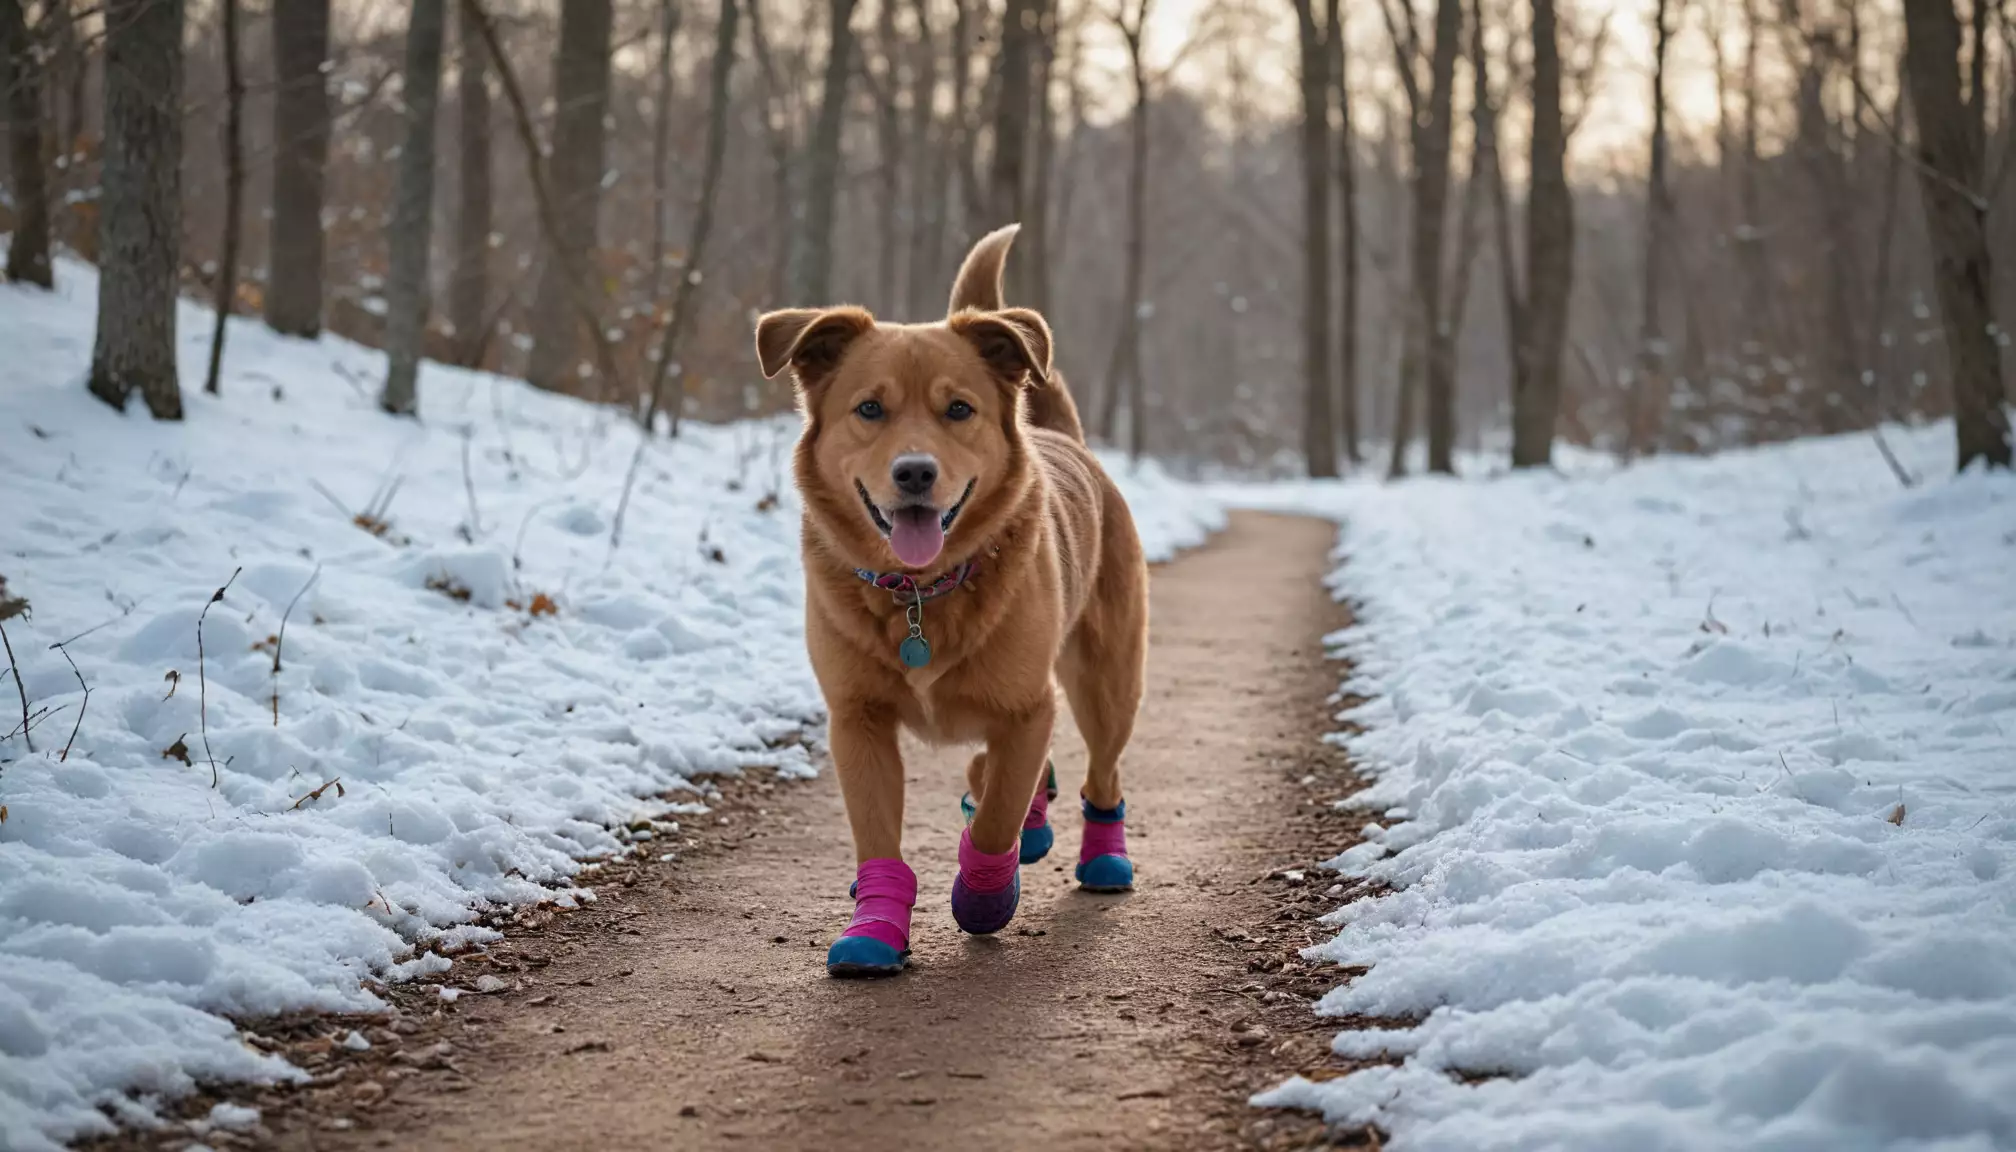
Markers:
point(962, 548)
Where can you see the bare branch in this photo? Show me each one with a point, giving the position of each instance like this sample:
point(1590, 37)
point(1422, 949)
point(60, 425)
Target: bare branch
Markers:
point(19, 687)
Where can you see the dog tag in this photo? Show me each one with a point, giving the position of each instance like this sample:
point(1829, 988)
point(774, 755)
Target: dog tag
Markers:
point(915, 652)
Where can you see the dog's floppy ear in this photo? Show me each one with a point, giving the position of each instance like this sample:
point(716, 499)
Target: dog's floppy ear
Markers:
point(977, 288)
point(810, 341)
point(1015, 342)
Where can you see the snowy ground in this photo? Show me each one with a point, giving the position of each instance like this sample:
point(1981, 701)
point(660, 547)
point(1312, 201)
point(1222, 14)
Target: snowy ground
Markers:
point(1699, 793)
point(441, 745)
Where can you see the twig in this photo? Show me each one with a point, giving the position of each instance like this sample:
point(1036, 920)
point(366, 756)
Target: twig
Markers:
point(83, 708)
point(202, 681)
point(18, 687)
point(336, 783)
point(1890, 458)
point(518, 545)
point(331, 497)
point(280, 638)
point(623, 503)
point(469, 486)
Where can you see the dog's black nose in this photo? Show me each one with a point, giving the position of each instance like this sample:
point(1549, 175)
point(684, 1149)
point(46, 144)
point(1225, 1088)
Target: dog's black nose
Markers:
point(915, 473)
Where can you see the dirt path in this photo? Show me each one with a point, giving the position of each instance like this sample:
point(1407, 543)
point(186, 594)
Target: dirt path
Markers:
point(691, 1009)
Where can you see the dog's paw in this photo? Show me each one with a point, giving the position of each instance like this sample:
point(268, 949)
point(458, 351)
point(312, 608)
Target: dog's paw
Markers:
point(1106, 874)
point(982, 913)
point(864, 956)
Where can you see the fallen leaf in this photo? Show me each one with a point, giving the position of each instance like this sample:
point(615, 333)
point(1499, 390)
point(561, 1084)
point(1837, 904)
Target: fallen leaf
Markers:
point(542, 605)
point(1897, 816)
point(588, 1046)
point(179, 750)
point(3, 813)
point(174, 680)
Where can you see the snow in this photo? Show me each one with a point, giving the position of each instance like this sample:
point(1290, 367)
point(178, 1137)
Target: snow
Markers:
point(1695, 799)
point(444, 746)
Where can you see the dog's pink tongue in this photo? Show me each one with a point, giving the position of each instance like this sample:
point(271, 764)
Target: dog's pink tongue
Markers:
point(915, 536)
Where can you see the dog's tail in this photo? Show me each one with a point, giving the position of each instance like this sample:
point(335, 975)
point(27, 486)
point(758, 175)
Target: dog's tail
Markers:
point(1047, 402)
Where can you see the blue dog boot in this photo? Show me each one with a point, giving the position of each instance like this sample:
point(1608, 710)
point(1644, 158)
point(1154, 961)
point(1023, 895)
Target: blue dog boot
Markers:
point(1103, 865)
point(987, 889)
point(1037, 838)
point(877, 941)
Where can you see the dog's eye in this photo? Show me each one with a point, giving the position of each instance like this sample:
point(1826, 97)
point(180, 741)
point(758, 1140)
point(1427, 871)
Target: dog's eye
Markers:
point(960, 410)
point(869, 409)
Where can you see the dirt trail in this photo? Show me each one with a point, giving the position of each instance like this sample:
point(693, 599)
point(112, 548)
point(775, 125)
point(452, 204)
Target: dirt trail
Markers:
point(697, 1012)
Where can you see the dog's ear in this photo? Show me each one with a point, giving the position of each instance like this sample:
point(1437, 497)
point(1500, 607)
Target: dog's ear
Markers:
point(1014, 342)
point(810, 341)
point(977, 288)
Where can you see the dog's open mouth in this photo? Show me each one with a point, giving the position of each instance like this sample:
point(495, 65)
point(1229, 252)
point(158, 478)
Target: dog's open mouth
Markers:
point(916, 532)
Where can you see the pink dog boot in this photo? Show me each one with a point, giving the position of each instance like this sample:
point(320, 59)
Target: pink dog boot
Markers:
point(987, 889)
point(1103, 865)
point(877, 941)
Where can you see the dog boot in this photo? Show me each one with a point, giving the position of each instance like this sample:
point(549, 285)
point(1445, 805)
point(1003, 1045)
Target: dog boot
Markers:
point(1103, 865)
point(1037, 837)
point(877, 942)
point(988, 887)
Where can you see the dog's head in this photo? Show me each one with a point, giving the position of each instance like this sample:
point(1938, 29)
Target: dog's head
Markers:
point(912, 431)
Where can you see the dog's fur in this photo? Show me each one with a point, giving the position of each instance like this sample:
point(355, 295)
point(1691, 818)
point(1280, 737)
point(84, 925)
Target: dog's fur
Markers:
point(1060, 589)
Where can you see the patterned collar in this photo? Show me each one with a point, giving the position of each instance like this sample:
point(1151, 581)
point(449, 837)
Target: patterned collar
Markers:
point(900, 583)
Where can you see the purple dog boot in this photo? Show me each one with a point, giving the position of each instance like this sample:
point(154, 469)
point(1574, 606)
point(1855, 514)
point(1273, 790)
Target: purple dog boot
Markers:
point(988, 887)
point(877, 942)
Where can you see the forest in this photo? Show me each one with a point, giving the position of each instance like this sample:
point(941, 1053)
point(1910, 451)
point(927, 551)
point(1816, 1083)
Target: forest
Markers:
point(1273, 237)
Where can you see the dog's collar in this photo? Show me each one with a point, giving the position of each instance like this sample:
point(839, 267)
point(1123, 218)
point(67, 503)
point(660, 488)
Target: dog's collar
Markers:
point(906, 589)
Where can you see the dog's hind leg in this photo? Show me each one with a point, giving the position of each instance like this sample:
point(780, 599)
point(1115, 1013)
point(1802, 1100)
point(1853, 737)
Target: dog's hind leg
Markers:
point(1103, 670)
point(870, 767)
point(1037, 836)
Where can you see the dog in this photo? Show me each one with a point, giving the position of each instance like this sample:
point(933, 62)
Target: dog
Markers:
point(964, 553)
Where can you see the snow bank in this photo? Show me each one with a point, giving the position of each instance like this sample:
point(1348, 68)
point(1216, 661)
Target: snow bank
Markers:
point(1698, 784)
point(444, 743)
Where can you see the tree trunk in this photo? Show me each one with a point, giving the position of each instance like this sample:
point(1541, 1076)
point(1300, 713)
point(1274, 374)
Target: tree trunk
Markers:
point(469, 291)
point(1124, 371)
point(1956, 216)
point(581, 98)
point(661, 151)
point(1035, 216)
point(927, 170)
point(1347, 212)
point(1754, 299)
point(1550, 255)
point(812, 271)
point(889, 159)
point(410, 236)
point(1011, 132)
point(21, 81)
point(685, 300)
point(234, 193)
point(1319, 438)
point(141, 228)
point(777, 129)
point(300, 156)
point(1431, 196)
point(1648, 386)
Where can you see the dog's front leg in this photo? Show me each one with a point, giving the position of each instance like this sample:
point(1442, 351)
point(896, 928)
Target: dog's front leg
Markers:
point(865, 756)
point(989, 884)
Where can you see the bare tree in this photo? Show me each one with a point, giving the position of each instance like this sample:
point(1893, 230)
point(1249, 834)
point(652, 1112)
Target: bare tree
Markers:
point(1432, 116)
point(1319, 437)
point(1347, 215)
point(885, 85)
point(1008, 180)
point(140, 252)
point(1648, 390)
point(1550, 256)
point(301, 122)
point(1124, 370)
point(469, 289)
point(234, 192)
point(1951, 177)
point(929, 169)
point(813, 259)
point(21, 80)
point(581, 97)
point(661, 146)
point(1034, 278)
point(686, 298)
point(777, 130)
point(410, 236)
